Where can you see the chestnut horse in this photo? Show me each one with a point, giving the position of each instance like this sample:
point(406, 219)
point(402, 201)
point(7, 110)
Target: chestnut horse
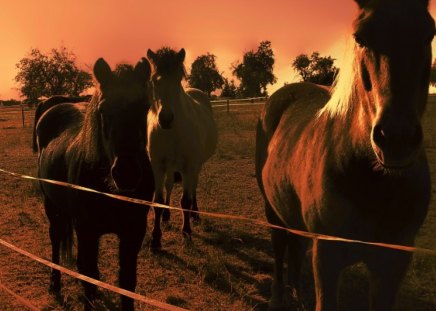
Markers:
point(182, 135)
point(351, 163)
point(100, 145)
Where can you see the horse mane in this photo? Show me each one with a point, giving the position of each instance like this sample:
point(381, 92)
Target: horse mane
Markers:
point(89, 138)
point(167, 62)
point(344, 91)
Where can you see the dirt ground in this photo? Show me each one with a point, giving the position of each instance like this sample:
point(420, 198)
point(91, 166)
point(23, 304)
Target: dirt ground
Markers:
point(229, 264)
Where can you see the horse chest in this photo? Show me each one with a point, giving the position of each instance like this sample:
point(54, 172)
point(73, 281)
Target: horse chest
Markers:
point(372, 206)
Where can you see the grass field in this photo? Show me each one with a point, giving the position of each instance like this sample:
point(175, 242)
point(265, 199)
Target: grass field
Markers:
point(229, 264)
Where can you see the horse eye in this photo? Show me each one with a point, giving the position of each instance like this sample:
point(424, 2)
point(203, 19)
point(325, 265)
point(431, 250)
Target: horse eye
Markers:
point(101, 106)
point(366, 78)
point(359, 39)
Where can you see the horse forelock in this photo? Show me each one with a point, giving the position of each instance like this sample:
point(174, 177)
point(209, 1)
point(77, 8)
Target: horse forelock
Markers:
point(167, 63)
point(344, 91)
point(388, 23)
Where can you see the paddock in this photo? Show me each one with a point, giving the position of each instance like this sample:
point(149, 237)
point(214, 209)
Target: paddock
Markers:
point(228, 266)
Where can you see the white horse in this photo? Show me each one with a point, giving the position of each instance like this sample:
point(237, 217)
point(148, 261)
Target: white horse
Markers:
point(182, 135)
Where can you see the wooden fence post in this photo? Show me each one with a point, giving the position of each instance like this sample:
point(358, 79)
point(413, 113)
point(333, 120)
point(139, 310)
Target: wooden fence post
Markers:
point(22, 113)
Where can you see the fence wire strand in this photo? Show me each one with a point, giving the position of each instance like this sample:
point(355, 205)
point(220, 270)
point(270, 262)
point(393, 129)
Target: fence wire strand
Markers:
point(302, 233)
point(23, 301)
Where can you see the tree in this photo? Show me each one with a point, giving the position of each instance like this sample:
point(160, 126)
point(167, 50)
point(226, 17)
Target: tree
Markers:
point(229, 89)
point(433, 74)
point(256, 70)
point(205, 75)
point(315, 69)
point(55, 73)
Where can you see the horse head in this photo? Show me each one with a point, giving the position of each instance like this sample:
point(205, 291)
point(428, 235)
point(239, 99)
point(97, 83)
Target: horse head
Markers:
point(166, 80)
point(394, 61)
point(123, 105)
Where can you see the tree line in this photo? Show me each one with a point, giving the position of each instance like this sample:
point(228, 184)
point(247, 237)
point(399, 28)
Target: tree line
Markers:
point(56, 72)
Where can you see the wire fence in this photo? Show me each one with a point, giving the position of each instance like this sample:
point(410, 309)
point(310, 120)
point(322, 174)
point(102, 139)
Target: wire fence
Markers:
point(152, 302)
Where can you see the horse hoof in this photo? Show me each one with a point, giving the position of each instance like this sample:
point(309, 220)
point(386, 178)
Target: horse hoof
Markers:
point(187, 236)
point(195, 218)
point(55, 288)
point(166, 225)
point(286, 303)
point(166, 217)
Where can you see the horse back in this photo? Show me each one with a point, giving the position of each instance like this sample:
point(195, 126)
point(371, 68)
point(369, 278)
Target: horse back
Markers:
point(55, 121)
point(207, 127)
point(294, 104)
point(285, 116)
point(305, 98)
point(200, 97)
point(49, 103)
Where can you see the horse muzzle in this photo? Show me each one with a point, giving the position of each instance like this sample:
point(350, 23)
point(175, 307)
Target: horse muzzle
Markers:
point(166, 119)
point(127, 172)
point(397, 147)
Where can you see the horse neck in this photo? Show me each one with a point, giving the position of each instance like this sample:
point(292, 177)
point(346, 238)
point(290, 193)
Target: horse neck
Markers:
point(351, 128)
point(183, 102)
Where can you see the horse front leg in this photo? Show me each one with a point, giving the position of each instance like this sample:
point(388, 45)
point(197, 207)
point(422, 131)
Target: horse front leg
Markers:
point(158, 198)
point(195, 216)
point(185, 204)
point(130, 245)
point(169, 183)
point(387, 270)
point(327, 261)
point(189, 188)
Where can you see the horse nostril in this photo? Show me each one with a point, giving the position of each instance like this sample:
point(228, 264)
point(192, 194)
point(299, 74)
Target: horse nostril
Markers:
point(379, 136)
point(417, 136)
point(166, 120)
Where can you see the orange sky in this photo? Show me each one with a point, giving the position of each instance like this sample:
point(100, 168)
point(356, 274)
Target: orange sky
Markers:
point(122, 31)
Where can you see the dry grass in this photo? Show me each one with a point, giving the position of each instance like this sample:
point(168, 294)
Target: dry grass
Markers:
point(229, 264)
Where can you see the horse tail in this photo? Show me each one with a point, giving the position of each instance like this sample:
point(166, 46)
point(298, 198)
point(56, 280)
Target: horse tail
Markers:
point(261, 153)
point(61, 229)
point(66, 239)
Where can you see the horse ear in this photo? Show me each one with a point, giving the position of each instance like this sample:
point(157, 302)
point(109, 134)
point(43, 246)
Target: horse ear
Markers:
point(181, 55)
point(102, 72)
point(151, 56)
point(143, 70)
point(363, 3)
point(425, 2)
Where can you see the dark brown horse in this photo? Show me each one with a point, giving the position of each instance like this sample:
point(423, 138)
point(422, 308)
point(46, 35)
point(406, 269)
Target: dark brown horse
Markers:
point(101, 145)
point(352, 163)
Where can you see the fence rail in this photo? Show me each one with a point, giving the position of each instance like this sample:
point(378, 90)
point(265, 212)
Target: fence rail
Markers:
point(237, 102)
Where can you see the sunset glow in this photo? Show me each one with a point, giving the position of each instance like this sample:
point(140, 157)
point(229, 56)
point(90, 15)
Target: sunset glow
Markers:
point(122, 32)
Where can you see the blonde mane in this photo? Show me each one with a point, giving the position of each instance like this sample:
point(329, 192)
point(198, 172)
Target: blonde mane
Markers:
point(344, 90)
